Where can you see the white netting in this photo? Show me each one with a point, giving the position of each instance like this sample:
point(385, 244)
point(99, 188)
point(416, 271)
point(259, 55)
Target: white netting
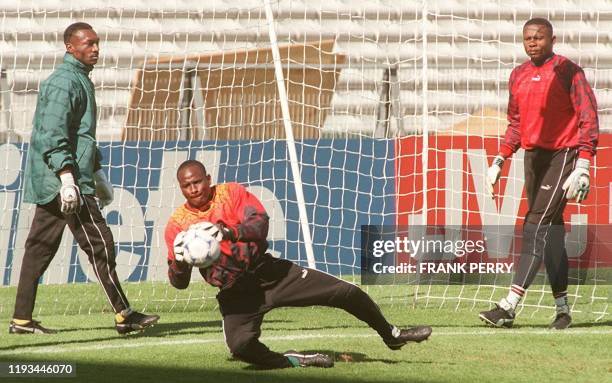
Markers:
point(356, 73)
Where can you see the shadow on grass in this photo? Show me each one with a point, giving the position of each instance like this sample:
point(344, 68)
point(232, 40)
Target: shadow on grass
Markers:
point(196, 328)
point(593, 325)
point(313, 328)
point(358, 357)
point(92, 372)
point(536, 326)
point(158, 330)
point(162, 329)
point(345, 358)
point(434, 326)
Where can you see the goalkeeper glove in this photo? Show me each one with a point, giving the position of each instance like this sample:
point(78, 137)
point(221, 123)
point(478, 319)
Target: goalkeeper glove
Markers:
point(69, 194)
point(493, 173)
point(179, 251)
point(218, 231)
point(577, 185)
point(104, 189)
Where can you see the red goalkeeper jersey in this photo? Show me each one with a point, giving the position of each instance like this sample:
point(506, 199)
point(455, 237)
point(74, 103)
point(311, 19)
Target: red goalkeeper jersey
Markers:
point(240, 211)
point(551, 107)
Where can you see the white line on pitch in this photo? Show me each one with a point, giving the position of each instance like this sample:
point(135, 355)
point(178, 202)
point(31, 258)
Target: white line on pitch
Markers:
point(123, 345)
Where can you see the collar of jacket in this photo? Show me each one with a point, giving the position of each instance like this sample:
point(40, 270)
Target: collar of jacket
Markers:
point(79, 66)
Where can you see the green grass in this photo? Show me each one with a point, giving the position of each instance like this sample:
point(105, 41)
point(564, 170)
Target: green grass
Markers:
point(187, 344)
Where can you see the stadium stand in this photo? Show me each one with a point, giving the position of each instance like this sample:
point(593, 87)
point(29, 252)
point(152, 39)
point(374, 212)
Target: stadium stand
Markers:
point(471, 48)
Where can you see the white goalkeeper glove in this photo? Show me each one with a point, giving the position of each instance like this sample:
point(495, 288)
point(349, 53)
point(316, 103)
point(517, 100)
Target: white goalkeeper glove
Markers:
point(104, 189)
point(69, 194)
point(493, 173)
point(218, 232)
point(179, 251)
point(577, 185)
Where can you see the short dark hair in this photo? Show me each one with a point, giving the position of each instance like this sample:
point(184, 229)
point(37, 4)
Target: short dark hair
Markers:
point(190, 163)
point(539, 21)
point(72, 28)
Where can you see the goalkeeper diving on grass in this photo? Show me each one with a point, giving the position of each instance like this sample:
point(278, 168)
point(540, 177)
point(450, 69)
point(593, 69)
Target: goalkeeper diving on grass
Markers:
point(252, 282)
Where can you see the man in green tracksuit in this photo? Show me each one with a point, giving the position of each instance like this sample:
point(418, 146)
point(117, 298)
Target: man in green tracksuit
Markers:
point(63, 177)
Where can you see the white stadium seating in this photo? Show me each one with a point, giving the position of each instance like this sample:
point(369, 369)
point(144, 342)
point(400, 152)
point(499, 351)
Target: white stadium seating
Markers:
point(471, 47)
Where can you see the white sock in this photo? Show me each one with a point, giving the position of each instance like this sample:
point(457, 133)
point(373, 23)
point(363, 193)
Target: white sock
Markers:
point(395, 332)
point(514, 297)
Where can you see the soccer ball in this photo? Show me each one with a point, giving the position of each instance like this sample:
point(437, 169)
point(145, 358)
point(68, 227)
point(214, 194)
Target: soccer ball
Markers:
point(200, 249)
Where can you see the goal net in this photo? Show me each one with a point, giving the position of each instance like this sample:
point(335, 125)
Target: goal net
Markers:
point(395, 108)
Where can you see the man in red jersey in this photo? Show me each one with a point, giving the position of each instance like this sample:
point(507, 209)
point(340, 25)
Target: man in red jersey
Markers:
point(552, 114)
point(251, 281)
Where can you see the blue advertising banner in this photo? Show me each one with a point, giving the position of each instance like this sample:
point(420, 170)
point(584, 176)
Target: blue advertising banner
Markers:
point(347, 183)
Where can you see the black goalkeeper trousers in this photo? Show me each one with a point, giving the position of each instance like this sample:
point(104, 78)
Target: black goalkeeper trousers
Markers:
point(544, 231)
point(93, 236)
point(281, 283)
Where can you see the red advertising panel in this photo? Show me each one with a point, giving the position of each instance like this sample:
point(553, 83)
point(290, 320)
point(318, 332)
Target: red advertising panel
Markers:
point(454, 192)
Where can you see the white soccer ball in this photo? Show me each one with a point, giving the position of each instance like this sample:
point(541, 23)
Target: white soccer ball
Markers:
point(200, 249)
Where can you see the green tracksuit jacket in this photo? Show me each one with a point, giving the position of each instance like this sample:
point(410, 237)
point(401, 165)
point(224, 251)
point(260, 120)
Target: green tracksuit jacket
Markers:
point(63, 134)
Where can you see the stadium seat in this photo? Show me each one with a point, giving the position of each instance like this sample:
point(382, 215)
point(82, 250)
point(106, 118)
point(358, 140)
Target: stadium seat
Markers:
point(462, 28)
point(288, 8)
point(361, 101)
point(110, 128)
point(113, 97)
point(299, 29)
point(159, 6)
point(19, 24)
point(141, 27)
point(401, 30)
point(51, 24)
point(391, 53)
point(346, 123)
point(574, 29)
point(181, 25)
point(18, 6)
point(331, 8)
point(197, 47)
point(390, 10)
point(31, 53)
point(453, 101)
point(24, 79)
point(470, 44)
point(120, 53)
point(108, 77)
point(73, 5)
point(366, 79)
point(155, 48)
point(604, 98)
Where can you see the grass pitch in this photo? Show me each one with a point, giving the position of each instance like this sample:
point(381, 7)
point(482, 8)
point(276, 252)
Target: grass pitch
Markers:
point(187, 344)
